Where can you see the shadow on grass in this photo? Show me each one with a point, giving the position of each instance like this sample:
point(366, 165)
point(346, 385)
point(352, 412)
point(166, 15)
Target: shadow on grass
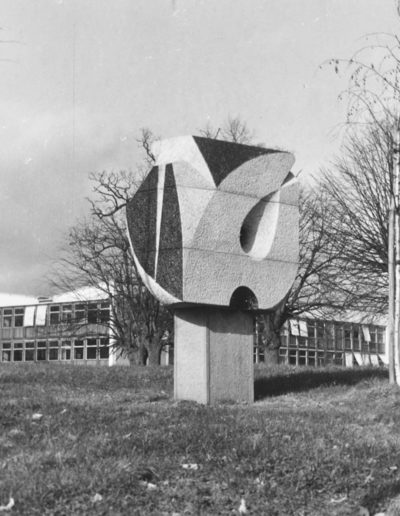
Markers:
point(381, 494)
point(304, 380)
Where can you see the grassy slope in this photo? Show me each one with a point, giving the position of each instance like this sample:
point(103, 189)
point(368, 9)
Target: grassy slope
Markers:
point(316, 451)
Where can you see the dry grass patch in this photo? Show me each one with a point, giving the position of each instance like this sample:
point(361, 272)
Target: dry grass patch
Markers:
point(113, 441)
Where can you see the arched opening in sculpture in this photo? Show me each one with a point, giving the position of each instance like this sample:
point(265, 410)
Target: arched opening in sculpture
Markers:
point(243, 298)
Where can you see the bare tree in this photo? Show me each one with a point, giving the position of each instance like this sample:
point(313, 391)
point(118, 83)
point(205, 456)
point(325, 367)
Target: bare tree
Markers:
point(233, 129)
point(373, 99)
point(315, 290)
point(358, 191)
point(373, 72)
point(98, 254)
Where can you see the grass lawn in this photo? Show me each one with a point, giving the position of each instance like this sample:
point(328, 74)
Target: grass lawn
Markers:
point(113, 441)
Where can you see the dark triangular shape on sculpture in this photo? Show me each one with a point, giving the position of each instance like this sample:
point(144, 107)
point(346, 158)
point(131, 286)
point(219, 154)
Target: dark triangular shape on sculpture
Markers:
point(170, 259)
point(223, 157)
point(141, 213)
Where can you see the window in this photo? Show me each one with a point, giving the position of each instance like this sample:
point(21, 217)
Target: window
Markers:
point(104, 348)
point(311, 327)
point(29, 351)
point(78, 350)
point(41, 352)
point(18, 352)
point(91, 349)
point(6, 352)
point(356, 338)
point(311, 358)
point(92, 314)
point(292, 356)
point(303, 337)
point(29, 316)
point(329, 358)
point(79, 313)
point(302, 357)
point(53, 350)
point(66, 350)
point(284, 338)
point(320, 335)
point(302, 342)
point(294, 332)
point(321, 358)
point(338, 359)
point(373, 347)
point(339, 332)
point(104, 313)
point(282, 355)
point(330, 341)
point(7, 317)
point(380, 333)
point(19, 317)
point(347, 337)
point(41, 315)
point(364, 345)
point(54, 314)
point(67, 313)
point(294, 327)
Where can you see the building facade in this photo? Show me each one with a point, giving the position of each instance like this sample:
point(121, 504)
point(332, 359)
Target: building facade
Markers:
point(313, 342)
point(71, 328)
point(75, 328)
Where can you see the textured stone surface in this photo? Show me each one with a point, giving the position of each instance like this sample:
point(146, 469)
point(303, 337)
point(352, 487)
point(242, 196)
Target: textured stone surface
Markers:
point(191, 356)
point(231, 356)
point(214, 216)
point(141, 216)
point(215, 225)
point(169, 260)
point(223, 157)
point(213, 355)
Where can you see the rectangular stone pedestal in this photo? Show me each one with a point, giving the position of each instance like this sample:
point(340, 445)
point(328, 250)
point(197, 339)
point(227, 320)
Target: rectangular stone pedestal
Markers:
point(213, 358)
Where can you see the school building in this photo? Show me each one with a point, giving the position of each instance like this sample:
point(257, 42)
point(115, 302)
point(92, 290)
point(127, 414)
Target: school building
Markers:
point(75, 327)
point(355, 340)
point(72, 328)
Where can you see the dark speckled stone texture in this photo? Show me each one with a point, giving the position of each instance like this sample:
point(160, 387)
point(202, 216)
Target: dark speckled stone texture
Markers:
point(223, 157)
point(169, 270)
point(141, 212)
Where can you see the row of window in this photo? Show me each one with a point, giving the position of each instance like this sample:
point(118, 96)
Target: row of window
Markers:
point(335, 336)
point(316, 343)
point(53, 350)
point(310, 358)
point(303, 357)
point(42, 315)
point(323, 358)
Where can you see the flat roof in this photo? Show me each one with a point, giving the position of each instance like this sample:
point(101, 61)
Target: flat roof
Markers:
point(83, 294)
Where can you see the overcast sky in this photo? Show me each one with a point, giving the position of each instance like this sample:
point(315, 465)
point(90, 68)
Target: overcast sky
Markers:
point(170, 65)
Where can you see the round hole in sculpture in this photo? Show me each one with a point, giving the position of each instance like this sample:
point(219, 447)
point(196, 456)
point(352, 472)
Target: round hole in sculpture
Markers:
point(243, 298)
point(258, 229)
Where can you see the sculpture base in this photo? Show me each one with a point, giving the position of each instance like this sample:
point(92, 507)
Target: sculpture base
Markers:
point(213, 356)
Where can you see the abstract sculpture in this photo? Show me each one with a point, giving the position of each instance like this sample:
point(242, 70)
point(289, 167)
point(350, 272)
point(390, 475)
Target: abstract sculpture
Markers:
point(215, 224)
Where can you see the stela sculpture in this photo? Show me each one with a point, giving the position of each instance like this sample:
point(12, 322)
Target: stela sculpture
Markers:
point(214, 234)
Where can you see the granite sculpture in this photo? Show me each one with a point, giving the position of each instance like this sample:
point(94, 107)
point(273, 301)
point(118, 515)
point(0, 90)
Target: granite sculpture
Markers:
point(215, 224)
point(212, 216)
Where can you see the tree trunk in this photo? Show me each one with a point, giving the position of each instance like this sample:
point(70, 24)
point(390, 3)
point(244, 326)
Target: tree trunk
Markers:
point(134, 349)
point(154, 350)
point(270, 336)
point(271, 356)
point(141, 353)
